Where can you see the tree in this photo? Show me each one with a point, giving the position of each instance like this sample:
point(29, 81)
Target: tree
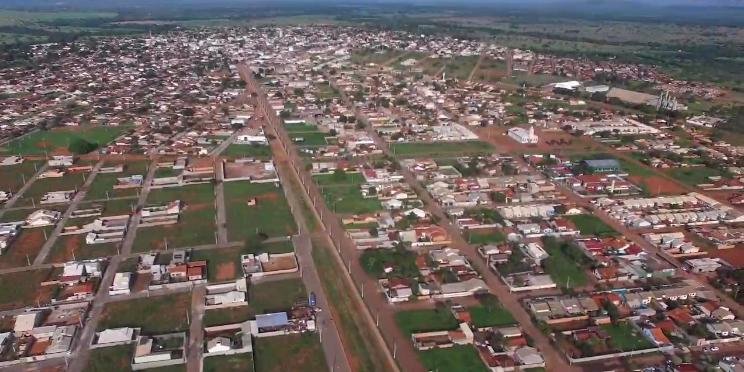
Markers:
point(79, 146)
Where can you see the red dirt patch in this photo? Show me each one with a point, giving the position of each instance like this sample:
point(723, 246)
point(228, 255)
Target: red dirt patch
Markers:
point(657, 185)
point(28, 243)
point(225, 271)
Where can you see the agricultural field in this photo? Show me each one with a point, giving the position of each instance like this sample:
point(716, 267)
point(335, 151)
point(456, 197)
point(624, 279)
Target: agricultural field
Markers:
point(103, 185)
point(23, 288)
point(413, 321)
point(155, 315)
point(343, 195)
point(57, 140)
point(449, 149)
point(459, 358)
point(224, 263)
point(270, 215)
point(247, 151)
point(276, 296)
point(195, 225)
point(295, 352)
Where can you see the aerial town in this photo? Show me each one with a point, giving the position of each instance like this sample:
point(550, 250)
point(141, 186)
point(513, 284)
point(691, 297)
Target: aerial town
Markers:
point(332, 198)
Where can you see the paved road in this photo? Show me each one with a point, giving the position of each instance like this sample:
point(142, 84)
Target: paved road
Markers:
point(128, 242)
point(195, 348)
point(332, 344)
point(79, 196)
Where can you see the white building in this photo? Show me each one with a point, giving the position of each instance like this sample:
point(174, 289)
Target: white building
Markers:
point(121, 284)
point(523, 136)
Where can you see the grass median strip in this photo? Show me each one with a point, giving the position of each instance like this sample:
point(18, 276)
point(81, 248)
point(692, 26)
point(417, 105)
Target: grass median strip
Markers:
point(365, 356)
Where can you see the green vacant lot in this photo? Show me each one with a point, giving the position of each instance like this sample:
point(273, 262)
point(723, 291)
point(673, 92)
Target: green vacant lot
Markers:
point(69, 181)
point(195, 225)
point(247, 151)
point(228, 315)
point(155, 315)
point(12, 177)
point(459, 358)
point(104, 182)
point(695, 175)
point(565, 264)
point(423, 150)
point(58, 139)
point(289, 353)
point(115, 358)
point(591, 225)
point(343, 195)
point(491, 316)
point(229, 363)
point(623, 337)
point(270, 215)
point(276, 296)
point(413, 321)
point(23, 288)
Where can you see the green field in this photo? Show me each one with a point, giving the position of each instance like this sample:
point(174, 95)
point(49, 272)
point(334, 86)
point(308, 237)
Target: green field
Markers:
point(69, 247)
point(459, 358)
point(275, 296)
point(694, 176)
point(247, 151)
point(351, 324)
point(229, 363)
point(270, 215)
point(591, 225)
point(70, 181)
point(439, 149)
point(289, 353)
point(104, 182)
point(343, 195)
point(58, 139)
point(23, 288)
point(115, 358)
point(12, 177)
point(413, 321)
point(228, 315)
point(155, 315)
point(195, 225)
point(477, 238)
point(309, 138)
point(624, 338)
point(459, 67)
point(491, 316)
point(563, 267)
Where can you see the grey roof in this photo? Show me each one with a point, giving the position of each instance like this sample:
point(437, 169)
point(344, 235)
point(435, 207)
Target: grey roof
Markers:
point(602, 163)
point(271, 320)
